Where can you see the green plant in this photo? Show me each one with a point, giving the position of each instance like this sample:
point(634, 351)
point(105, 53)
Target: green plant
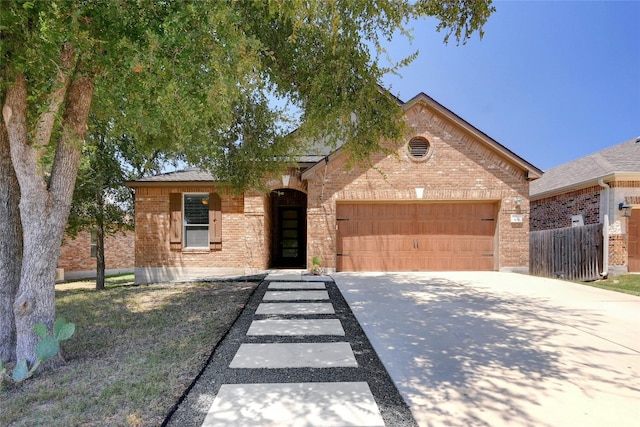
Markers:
point(46, 349)
point(316, 266)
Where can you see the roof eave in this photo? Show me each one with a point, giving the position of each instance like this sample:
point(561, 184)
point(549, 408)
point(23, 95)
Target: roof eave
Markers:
point(608, 178)
point(310, 172)
point(135, 184)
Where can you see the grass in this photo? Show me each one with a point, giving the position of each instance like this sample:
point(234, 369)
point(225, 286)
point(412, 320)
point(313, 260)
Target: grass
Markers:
point(627, 283)
point(135, 350)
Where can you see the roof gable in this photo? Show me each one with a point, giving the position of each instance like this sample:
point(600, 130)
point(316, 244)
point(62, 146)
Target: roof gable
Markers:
point(530, 170)
point(617, 161)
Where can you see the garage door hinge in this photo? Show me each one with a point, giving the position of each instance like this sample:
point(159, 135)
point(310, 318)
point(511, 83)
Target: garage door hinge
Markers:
point(487, 254)
point(342, 219)
point(488, 219)
point(342, 254)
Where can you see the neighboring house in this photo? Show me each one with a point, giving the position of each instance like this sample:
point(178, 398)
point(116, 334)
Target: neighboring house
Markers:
point(606, 183)
point(78, 256)
point(451, 198)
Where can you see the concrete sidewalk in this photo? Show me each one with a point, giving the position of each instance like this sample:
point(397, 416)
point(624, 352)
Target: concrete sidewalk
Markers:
point(502, 349)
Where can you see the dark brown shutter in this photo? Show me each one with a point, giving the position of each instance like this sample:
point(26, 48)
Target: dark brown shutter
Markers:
point(175, 227)
point(215, 221)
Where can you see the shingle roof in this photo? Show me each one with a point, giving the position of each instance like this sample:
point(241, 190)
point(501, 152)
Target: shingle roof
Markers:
point(585, 171)
point(185, 175)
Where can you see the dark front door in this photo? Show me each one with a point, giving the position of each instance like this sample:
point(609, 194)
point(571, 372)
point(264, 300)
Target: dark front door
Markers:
point(291, 240)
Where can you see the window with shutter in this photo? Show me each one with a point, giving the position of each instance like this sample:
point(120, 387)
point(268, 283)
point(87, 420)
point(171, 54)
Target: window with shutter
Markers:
point(196, 221)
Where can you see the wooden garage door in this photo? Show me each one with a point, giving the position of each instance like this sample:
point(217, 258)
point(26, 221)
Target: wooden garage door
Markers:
point(634, 241)
point(415, 237)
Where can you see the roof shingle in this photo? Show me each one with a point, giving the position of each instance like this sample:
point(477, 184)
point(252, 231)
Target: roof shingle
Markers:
point(621, 158)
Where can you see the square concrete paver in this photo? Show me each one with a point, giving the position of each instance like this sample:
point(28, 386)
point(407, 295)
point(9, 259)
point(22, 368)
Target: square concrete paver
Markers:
point(295, 295)
point(296, 308)
point(294, 405)
point(292, 327)
point(294, 355)
point(297, 285)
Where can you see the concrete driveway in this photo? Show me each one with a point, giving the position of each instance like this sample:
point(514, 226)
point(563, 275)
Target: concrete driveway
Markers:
point(491, 349)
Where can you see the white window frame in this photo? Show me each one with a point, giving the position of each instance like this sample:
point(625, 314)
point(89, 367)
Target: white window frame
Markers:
point(186, 226)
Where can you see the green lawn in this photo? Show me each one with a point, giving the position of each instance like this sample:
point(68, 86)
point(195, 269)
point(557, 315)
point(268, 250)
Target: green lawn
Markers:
point(135, 350)
point(627, 283)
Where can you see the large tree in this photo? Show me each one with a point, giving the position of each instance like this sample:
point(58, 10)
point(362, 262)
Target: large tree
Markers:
point(198, 77)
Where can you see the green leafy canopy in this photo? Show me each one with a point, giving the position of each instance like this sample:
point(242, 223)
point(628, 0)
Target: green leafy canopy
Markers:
point(198, 78)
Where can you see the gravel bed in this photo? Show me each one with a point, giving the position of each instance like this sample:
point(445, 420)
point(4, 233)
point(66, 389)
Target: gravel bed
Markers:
point(192, 410)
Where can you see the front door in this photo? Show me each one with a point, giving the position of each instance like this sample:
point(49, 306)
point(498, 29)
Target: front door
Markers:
point(291, 239)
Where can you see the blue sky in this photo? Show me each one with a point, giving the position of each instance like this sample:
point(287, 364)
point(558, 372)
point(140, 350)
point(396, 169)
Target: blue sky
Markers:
point(551, 80)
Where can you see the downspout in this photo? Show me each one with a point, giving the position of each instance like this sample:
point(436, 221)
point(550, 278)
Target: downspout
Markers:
point(605, 230)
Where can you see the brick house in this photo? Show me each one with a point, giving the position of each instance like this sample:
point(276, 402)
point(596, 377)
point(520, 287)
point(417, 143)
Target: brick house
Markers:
point(78, 257)
point(606, 183)
point(451, 198)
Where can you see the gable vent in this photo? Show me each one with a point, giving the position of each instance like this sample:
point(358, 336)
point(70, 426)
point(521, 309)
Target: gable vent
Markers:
point(418, 148)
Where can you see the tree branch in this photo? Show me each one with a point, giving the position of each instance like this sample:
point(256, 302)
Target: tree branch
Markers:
point(69, 149)
point(46, 121)
point(24, 157)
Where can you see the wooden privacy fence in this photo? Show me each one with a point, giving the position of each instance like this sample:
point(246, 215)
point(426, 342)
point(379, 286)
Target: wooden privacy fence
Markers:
point(573, 253)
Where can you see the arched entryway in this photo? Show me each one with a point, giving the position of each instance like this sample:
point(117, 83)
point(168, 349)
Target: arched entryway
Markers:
point(288, 228)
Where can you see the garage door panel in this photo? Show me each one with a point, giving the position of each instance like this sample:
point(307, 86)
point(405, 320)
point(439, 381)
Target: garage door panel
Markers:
point(410, 237)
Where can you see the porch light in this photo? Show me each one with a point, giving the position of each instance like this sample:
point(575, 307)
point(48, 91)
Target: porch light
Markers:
point(625, 208)
point(419, 192)
point(285, 180)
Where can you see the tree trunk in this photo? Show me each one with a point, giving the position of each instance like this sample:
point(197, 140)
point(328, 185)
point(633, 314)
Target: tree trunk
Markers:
point(100, 265)
point(44, 207)
point(10, 248)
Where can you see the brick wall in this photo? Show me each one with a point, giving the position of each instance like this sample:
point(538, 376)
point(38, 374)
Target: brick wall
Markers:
point(556, 211)
point(618, 249)
point(459, 169)
point(152, 230)
point(75, 254)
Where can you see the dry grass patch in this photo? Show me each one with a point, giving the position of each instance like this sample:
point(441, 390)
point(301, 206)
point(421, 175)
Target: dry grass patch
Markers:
point(135, 350)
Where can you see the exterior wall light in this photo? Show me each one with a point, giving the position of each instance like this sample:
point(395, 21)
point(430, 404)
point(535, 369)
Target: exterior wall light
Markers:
point(625, 208)
point(419, 193)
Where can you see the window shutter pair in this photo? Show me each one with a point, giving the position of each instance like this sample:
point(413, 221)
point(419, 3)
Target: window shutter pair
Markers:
point(215, 221)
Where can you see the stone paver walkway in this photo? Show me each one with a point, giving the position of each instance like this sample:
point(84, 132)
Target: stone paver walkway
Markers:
point(296, 357)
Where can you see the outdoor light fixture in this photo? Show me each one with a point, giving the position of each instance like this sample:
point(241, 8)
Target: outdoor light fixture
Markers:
point(285, 180)
point(625, 208)
point(419, 192)
point(518, 201)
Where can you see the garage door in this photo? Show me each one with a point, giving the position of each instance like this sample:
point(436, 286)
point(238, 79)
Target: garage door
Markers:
point(415, 237)
point(634, 241)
